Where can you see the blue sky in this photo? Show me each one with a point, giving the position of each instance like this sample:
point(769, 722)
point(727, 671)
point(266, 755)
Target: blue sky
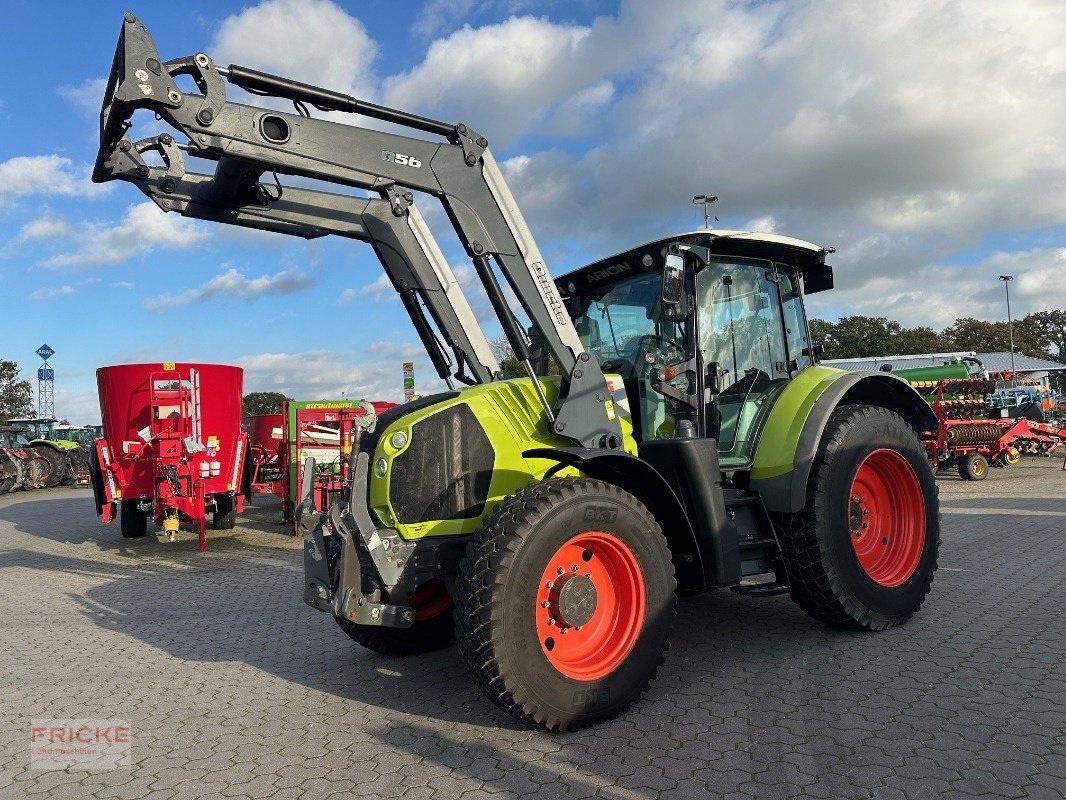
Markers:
point(924, 143)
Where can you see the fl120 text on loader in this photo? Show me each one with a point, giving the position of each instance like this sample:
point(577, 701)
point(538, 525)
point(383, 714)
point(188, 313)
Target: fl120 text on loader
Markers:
point(689, 441)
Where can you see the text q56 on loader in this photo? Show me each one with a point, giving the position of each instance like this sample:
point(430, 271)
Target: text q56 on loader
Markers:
point(548, 522)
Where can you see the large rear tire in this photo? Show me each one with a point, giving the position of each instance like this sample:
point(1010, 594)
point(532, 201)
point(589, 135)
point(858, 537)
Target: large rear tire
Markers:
point(565, 602)
point(58, 463)
point(433, 628)
point(132, 521)
point(863, 552)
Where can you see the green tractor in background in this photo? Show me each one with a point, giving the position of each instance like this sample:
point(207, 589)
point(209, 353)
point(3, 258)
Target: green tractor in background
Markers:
point(67, 456)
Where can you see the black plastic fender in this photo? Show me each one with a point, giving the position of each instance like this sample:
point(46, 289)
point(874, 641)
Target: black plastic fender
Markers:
point(644, 482)
point(788, 493)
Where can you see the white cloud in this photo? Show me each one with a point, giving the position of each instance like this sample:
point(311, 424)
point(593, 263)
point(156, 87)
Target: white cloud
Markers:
point(372, 373)
point(437, 15)
point(22, 176)
point(235, 284)
point(86, 96)
point(47, 294)
point(313, 41)
point(44, 229)
point(381, 290)
point(936, 295)
point(143, 229)
point(501, 79)
point(123, 285)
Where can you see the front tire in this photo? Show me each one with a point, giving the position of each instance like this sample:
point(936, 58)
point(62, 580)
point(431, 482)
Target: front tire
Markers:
point(433, 628)
point(225, 516)
point(565, 602)
point(863, 552)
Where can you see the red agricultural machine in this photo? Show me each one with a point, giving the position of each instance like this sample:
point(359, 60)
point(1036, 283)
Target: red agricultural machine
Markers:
point(173, 446)
point(281, 443)
point(265, 468)
point(21, 467)
point(972, 435)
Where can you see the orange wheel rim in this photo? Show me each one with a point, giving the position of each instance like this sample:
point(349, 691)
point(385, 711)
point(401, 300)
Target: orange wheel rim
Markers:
point(886, 517)
point(430, 600)
point(590, 606)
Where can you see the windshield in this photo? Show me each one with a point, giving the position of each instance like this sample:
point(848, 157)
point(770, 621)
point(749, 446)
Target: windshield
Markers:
point(614, 321)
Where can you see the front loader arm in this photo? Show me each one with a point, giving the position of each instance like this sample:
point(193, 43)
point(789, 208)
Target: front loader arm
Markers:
point(393, 226)
point(248, 141)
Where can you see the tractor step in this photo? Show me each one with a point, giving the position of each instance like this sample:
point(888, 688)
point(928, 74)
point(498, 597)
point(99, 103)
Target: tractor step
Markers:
point(749, 544)
point(762, 589)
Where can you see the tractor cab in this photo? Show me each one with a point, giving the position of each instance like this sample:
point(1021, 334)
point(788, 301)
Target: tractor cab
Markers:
point(705, 329)
point(38, 428)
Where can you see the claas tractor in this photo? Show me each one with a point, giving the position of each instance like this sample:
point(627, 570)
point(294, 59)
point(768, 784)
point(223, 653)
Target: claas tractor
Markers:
point(673, 433)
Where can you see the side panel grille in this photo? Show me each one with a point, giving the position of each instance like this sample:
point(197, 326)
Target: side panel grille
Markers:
point(445, 471)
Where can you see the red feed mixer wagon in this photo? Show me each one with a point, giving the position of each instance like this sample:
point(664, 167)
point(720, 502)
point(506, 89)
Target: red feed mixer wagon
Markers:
point(173, 446)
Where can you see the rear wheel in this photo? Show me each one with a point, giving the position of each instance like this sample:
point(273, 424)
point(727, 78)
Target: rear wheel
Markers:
point(973, 467)
point(58, 464)
point(225, 516)
point(132, 521)
point(432, 629)
point(565, 602)
point(863, 552)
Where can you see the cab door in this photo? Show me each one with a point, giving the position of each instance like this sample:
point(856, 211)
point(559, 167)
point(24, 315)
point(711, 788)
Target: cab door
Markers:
point(743, 341)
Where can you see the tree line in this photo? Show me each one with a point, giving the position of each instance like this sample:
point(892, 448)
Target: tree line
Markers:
point(1041, 335)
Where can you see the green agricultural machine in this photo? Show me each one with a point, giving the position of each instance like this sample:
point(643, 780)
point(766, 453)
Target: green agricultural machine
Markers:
point(66, 459)
point(674, 433)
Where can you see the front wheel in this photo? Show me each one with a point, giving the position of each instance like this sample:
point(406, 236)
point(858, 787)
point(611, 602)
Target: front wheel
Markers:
point(863, 552)
point(564, 603)
point(973, 467)
point(225, 516)
point(132, 521)
point(432, 629)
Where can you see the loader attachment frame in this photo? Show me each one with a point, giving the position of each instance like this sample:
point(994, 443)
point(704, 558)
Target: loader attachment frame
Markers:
point(248, 142)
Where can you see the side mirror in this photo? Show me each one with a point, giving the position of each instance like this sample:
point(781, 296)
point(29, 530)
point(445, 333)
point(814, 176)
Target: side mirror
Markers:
point(673, 279)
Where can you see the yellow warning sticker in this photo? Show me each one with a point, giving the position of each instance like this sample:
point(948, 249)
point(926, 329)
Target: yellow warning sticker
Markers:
point(169, 365)
point(609, 405)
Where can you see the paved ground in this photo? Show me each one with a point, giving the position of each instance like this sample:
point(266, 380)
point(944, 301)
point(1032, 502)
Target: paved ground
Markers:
point(235, 688)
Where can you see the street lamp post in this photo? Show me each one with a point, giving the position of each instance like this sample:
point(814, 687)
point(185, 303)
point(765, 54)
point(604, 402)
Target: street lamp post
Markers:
point(1010, 323)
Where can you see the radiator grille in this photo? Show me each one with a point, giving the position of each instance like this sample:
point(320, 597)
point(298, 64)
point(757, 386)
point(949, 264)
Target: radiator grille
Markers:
point(445, 471)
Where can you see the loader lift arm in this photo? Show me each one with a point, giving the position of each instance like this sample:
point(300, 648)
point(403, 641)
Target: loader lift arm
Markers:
point(248, 141)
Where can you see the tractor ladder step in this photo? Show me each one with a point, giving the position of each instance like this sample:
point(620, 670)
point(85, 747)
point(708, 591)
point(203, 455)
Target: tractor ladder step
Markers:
point(761, 589)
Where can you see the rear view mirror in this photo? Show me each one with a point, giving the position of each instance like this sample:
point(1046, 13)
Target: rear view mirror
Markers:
point(673, 279)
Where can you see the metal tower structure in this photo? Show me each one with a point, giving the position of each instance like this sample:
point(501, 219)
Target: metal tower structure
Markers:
point(46, 405)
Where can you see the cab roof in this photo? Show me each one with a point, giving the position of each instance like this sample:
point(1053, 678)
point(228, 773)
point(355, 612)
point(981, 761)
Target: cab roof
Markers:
point(805, 256)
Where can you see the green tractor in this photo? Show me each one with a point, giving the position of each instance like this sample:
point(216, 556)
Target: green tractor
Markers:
point(674, 434)
point(65, 457)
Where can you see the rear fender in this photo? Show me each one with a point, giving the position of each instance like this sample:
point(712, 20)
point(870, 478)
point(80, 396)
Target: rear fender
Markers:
point(644, 482)
point(793, 433)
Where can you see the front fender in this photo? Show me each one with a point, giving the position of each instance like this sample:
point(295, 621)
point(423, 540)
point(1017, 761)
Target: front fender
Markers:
point(644, 482)
point(793, 432)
